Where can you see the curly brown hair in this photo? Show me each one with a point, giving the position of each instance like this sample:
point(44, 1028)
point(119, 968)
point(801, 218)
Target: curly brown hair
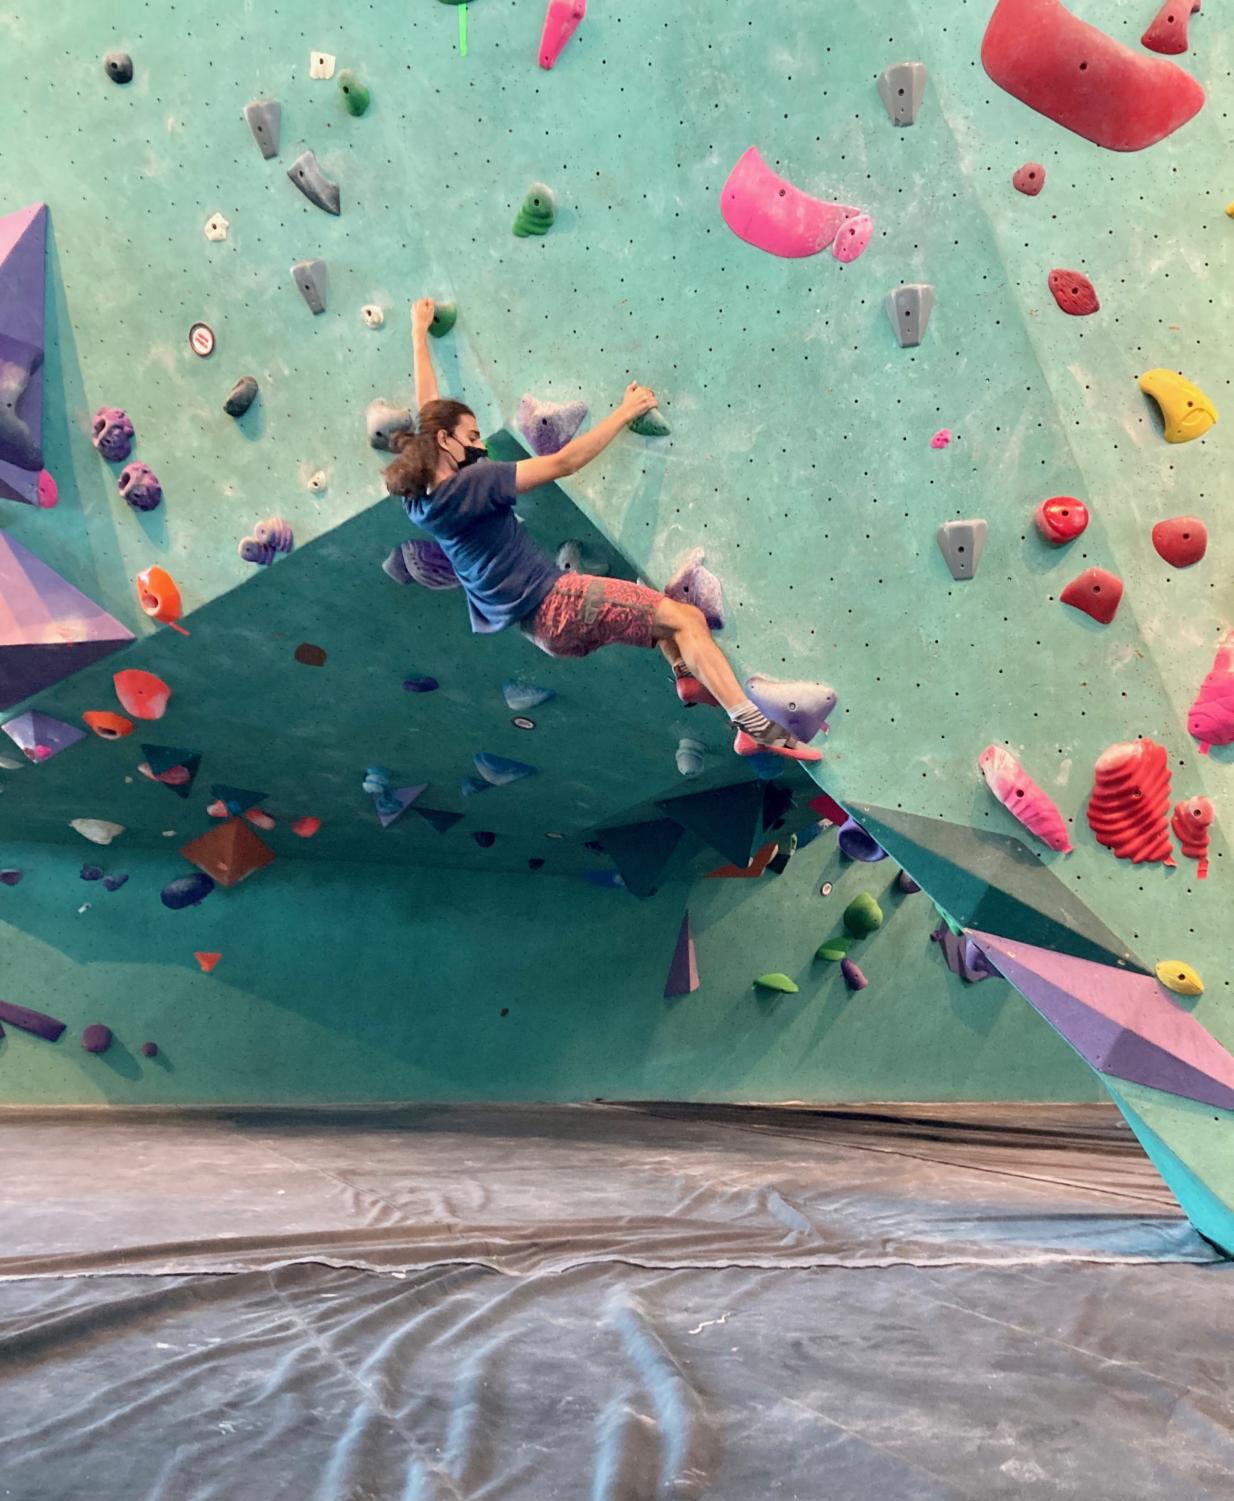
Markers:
point(417, 455)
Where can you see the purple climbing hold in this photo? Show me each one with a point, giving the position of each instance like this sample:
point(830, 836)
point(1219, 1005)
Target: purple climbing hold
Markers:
point(40, 736)
point(114, 883)
point(275, 533)
point(253, 551)
point(111, 432)
point(906, 884)
point(420, 685)
point(140, 486)
point(92, 872)
point(853, 977)
point(801, 707)
point(10, 877)
point(36, 1022)
point(96, 1038)
point(857, 844)
point(149, 1050)
point(962, 956)
point(693, 584)
point(422, 563)
point(186, 891)
point(548, 426)
point(484, 839)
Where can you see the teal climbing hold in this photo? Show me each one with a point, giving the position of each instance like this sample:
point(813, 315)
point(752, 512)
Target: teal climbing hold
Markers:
point(536, 212)
point(445, 316)
point(651, 425)
point(356, 96)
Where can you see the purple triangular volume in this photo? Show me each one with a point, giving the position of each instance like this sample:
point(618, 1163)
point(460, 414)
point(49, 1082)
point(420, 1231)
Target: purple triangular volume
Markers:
point(1124, 1025)
point(406, 796)
point(23, 272)
point(683, 971)
point(48, 629)
point(41, 736)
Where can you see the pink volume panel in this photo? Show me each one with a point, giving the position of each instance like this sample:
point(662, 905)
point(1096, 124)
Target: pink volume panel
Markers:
point(767, 211)
point(560, 23)
point(1083, 79)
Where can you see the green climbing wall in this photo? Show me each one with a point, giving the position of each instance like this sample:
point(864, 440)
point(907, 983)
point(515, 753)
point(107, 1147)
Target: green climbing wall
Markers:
point(799, 459)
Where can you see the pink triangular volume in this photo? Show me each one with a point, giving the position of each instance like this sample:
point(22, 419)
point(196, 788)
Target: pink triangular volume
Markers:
point(683, 972)
point(23, 256)
point(48, 629)
point(1123, 1024)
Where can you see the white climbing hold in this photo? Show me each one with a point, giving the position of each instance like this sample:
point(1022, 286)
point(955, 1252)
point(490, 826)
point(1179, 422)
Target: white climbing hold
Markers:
point(318, 480)
point(216, 227)
point(321, 65)
point(96, 830)
point(372, 315)
point(690, 757)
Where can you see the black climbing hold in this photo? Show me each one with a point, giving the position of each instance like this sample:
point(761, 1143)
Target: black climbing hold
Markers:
point(119, 67)
point(310, 277)
point(243, 395)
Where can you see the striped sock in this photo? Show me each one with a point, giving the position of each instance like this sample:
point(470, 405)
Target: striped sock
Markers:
point(747, 717)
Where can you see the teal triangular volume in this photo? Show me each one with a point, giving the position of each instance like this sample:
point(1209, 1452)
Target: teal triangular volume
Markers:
point(1211, 1215)
point(996, 883)
point(729, 819)
point(641, 851)
point(440, 820)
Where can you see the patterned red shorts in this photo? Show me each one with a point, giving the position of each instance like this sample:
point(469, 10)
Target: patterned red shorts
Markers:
point(582, 613)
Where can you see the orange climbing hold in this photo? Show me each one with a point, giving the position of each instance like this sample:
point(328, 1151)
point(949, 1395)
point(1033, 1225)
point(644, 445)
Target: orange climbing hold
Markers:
point(305, 827)
point(756, 867)
point(1129, 810)
point(106, 725)
point(228, 852)
point(207, 961)
point(159, 596)
point(141, 694)
point(1190, 824)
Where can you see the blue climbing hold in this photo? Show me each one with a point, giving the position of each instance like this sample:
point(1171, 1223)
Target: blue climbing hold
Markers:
point(857, 844)
point(523, 696)
point(186, 891)
point(500, 770)
point(113, 883)
point(472, 785)
point(420, 685)
point(92, 872)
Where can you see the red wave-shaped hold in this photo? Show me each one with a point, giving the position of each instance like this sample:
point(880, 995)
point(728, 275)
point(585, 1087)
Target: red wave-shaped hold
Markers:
point(1129, 809)
point(1190, 824)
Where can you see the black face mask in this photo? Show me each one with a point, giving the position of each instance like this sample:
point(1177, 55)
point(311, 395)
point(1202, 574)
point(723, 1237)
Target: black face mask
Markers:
point(470, 455)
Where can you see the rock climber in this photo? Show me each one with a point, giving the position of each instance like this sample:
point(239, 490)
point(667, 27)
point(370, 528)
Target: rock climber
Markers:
point(464, 500)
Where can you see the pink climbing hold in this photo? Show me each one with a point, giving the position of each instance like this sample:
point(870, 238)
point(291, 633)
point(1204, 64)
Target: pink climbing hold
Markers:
point(1029, 179)
point(1129, 808)
point(1210, 720)
point(767, 211)
point(560, 23)
point(1083, 79)
point(1181, 540)
point(1061, 519)
point(48, 493)
point(852, 237)
point(1022, 798)
point(1074, 293)
point(1190, 824)
point(1097, 592)
point(941, 438)
point(1167, 31)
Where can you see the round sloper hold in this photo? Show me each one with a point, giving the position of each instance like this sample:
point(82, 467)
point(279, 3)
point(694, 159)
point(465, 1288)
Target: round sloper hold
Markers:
point(96, 1038)
point(1061, 519)
point(149, 1050)
point(310, 655)
point(1096, 592)
point(118, 66)
point(1181, 540)
point(1029, 179)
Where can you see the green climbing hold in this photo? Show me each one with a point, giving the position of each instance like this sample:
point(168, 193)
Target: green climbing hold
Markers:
point(355, 92)
point(863, 915)
point(833, 949)
point(777, 982)
point(445, 316)
point(651, 425)
point(537, 211)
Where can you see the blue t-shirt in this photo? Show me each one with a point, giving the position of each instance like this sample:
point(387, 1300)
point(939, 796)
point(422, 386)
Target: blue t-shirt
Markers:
point(503, 573)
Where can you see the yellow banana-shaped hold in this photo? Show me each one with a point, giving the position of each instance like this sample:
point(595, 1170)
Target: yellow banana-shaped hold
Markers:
point(1179, 977)
point(1185, 410)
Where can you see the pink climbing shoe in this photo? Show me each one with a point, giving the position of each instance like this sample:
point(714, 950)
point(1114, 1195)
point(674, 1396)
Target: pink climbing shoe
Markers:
point(691, 692)
point(746, 745)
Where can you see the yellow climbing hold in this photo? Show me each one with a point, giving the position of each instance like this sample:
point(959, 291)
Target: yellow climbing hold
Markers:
point(1229, 208)
point(777, 982)
point(1185, 410)
point(1179, 977)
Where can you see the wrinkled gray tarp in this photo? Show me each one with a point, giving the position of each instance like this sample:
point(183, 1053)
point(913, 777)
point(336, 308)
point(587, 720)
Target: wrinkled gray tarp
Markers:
point(607, 1304)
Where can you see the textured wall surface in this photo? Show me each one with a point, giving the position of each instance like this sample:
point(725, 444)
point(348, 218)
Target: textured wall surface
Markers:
point(799, 457)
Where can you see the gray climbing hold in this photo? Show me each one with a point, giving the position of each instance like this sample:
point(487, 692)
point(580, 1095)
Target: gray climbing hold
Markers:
point(961, 544)
point(118, 66)
point(307, 175)
point(909, 307)
point(243, 395)
point(310, 277)
point(902, 87)
point(385, 419)
point(265, 117)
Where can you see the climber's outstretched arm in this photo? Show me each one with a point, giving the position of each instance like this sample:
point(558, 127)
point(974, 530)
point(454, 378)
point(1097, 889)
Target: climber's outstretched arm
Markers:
point(586, 446)
point(422, 311)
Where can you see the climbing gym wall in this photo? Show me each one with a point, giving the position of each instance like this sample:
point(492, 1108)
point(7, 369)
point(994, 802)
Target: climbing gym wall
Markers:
point(814, 450)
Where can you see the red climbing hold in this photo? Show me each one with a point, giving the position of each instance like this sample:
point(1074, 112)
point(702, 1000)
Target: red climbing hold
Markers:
point(206, 960)
point(1167, 32)
point(1096, 592)
point(1129, 808)
point(1061, 519)
point(1190, 824)
point(1181, 540)
point(1074, 293)
point(1083, 79)
point(1029, 179)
